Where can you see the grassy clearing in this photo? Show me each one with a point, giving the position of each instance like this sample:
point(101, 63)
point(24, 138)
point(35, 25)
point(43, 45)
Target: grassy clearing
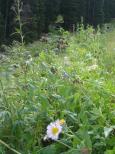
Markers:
point(41, 83)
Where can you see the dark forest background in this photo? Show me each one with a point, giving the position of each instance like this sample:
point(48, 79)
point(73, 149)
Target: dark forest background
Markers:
point(39, 14)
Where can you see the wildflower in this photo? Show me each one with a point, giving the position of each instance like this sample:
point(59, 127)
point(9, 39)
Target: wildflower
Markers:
point(62, 122)
point(66, 61)
point(65, 75)
point(53, 130)
point(93, 67)
point(28, 62)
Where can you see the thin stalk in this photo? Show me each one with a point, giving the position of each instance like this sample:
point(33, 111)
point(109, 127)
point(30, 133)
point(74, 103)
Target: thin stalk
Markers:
point(20, 22)
point(7, 146)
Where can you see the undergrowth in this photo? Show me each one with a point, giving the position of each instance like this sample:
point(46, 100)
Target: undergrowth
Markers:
point(70, 77)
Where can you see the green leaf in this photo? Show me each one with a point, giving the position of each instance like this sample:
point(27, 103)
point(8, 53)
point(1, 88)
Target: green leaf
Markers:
point(48, 150)
point(110, 151)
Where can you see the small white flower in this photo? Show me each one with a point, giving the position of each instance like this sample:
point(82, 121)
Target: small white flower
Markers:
point(66, 61)
point(45, 138)
point(53, 130)
point(93, 67)
point(28, 62)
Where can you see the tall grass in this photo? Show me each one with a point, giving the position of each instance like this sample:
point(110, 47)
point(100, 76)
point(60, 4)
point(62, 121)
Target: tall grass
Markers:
point(44, 83)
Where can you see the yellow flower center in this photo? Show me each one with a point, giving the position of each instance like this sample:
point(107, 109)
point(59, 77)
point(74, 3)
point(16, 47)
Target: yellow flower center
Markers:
point(55, 130)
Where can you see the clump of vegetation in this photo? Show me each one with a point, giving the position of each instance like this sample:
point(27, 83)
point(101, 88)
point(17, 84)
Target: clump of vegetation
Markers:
point(39, 15)
point(40, 84)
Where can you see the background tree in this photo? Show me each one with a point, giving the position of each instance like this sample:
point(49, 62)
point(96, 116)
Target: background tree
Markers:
point(32, 17)
point(112, 8)
point(7, 17)
point(95, 12)
point(39, 14)
point(83, 10)
point(107, 6)
point(38, 10)
point(52, 9)
point(98, 12)
point(71, 12)
point(1, 28)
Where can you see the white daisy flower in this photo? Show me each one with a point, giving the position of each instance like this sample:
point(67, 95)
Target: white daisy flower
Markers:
point(53, 130)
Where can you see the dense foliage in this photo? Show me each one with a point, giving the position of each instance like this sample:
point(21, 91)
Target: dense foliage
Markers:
point(39, 14)
point(70, 77)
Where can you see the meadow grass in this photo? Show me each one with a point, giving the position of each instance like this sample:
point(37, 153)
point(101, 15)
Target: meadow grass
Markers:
point(71, 79)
